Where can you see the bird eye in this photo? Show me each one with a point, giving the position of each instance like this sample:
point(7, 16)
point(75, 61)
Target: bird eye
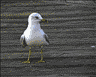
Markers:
point(36, 17)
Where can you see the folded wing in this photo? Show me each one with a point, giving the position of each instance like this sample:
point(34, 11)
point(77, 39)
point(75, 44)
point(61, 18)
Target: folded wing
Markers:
point(22, 41)
point(46, 38)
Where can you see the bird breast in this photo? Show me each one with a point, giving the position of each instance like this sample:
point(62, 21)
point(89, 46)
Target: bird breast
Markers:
point(35, 37)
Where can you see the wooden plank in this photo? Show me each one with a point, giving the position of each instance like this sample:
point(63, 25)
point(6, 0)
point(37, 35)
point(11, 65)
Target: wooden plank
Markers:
point(71, 33)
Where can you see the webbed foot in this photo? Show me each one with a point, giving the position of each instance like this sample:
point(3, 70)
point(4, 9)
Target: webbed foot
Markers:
point(26, 61)
point(41, 61)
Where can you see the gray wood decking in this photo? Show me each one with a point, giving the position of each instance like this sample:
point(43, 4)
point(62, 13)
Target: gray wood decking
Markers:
point(71, 30)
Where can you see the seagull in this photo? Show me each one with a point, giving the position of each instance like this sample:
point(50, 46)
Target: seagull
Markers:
point(34, 35)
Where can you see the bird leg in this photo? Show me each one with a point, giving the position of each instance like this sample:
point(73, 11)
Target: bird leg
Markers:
point(41, 56)
point(28, 57)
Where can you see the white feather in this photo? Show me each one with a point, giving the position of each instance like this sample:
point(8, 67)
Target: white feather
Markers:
point(34, 33)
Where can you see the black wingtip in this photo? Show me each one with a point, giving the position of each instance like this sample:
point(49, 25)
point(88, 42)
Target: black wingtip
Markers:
point(46, 39)
point(24, 43)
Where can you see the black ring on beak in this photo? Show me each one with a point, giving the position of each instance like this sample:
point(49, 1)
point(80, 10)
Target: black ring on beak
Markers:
point(43, 20)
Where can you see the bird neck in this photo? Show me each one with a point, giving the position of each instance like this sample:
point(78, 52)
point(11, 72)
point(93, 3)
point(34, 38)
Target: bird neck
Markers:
point(34, 26)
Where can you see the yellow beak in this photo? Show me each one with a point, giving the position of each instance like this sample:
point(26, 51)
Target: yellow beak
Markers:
point(44, 20)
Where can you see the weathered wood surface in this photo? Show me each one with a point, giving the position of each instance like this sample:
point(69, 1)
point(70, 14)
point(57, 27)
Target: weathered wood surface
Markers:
point(71, 30)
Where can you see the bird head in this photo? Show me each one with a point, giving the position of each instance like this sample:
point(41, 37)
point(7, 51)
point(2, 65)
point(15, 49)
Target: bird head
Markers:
point(35, 18)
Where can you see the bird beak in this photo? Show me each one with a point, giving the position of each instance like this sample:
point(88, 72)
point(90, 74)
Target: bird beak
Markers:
point(43, 20)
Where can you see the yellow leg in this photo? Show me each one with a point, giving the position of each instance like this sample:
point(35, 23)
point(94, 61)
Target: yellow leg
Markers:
point(41, 56)
point(28, 57)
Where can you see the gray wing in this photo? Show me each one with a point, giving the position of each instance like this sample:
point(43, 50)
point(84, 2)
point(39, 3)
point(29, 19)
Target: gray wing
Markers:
point(46, 38)
point(22, 41)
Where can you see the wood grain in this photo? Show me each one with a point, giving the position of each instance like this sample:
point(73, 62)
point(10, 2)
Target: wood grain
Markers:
point(71, 29)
